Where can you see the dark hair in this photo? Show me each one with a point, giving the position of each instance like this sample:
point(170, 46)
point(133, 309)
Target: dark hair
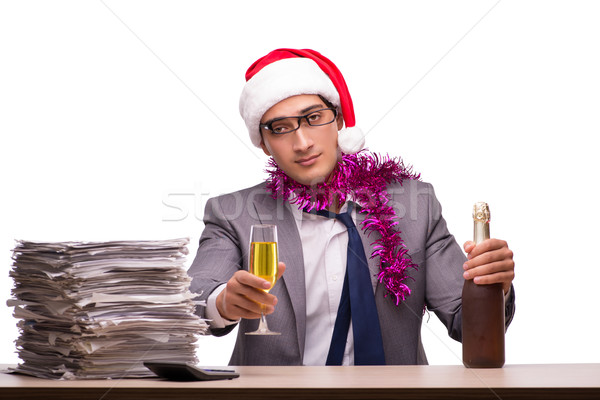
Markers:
point(327, 102)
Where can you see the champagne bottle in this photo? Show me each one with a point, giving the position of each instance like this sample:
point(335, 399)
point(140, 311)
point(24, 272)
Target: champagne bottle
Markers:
point(482, 310)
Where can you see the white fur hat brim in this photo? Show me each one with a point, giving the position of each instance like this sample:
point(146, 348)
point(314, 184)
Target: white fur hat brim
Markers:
point(278, 81)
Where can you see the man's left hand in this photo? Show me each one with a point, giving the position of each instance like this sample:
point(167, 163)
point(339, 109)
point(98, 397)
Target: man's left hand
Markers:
point(491, 261)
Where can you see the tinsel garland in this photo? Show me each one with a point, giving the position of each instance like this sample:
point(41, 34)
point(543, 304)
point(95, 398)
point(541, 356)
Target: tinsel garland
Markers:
point(363, 177)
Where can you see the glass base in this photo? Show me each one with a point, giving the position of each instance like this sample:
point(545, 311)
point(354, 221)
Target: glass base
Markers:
point(263, 332)
point(263, 328)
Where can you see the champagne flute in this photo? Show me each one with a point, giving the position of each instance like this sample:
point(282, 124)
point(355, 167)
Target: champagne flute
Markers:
point(263, 263)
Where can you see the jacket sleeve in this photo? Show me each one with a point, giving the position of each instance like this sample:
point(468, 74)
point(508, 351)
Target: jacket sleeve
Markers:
point(220, 253)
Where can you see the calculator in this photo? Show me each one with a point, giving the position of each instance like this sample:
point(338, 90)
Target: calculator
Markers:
point(174, 371)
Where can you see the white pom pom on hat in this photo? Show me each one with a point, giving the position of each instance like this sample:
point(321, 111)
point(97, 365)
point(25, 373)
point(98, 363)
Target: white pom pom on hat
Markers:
point(351, 140)
point(289, 72)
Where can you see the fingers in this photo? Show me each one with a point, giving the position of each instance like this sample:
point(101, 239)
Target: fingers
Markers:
point(505, 278)
point(468, 246)
point(490, 257)
point(490, 261)
point(243, 297)
point(236, 306)
point(485, 246)
point(280, 269)
point(248, 281)
point(494, 272)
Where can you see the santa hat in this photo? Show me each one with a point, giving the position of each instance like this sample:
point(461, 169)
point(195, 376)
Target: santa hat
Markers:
point(289, 72)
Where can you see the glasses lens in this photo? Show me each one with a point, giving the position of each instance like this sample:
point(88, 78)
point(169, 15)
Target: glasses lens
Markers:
point(284, 125)
point(320, 117)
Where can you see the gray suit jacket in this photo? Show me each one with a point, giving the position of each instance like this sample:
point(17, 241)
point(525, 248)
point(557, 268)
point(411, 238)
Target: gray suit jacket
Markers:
point(437, 284)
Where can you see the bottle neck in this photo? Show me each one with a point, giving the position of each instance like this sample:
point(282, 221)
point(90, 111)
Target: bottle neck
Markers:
point(481, 231)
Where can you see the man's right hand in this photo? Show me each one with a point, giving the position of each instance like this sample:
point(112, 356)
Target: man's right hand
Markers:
point(244, 294)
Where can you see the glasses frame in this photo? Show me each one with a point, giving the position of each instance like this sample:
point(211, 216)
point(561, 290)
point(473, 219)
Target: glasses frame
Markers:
point(269, 126)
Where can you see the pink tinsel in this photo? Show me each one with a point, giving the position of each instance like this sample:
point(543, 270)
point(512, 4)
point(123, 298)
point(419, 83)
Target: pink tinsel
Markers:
point(364, 176)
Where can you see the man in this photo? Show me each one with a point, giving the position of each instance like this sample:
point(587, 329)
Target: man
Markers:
point(333, 305)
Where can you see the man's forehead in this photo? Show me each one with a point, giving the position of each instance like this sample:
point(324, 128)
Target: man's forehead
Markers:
point(295, 105)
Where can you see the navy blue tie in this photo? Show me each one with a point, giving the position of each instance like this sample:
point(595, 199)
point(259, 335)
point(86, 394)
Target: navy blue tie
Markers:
point(357, 303)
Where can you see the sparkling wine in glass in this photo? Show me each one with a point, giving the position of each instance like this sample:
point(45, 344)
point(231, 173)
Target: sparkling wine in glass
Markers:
point(263, 263)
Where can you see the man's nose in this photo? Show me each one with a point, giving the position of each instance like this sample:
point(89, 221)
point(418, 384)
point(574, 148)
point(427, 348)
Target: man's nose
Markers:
point(302, 138)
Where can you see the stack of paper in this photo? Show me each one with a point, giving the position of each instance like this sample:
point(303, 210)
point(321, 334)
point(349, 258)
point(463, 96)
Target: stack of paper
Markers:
point(91, 310)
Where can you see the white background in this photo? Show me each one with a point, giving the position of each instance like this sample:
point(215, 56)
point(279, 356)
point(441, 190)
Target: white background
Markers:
point(119, 118)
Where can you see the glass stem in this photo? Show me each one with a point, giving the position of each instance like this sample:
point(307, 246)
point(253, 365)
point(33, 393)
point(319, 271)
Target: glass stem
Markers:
point(262, 325)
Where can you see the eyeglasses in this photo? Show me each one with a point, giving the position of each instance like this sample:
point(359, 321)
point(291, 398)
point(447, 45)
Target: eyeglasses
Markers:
point(283, 125)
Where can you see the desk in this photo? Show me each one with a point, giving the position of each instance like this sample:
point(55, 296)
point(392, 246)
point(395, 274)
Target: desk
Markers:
point(563, 381)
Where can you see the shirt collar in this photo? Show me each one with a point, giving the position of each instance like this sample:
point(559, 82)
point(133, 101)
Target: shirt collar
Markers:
point(300, 215)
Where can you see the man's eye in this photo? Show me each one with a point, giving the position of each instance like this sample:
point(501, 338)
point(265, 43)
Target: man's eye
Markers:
point(282, 128)
point(314, 117)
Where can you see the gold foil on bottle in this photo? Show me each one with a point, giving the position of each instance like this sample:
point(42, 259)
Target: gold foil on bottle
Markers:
point(481, 212)
point(481, 222)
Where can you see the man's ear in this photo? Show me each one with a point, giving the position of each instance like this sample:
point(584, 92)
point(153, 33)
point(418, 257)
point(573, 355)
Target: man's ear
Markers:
point(264, 148)
point(340, 121)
